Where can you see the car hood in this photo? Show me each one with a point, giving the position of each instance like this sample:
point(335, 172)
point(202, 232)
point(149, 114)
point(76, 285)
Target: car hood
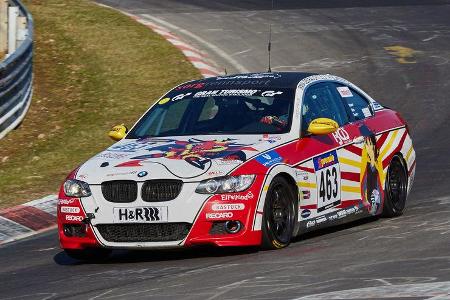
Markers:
point(191, 158)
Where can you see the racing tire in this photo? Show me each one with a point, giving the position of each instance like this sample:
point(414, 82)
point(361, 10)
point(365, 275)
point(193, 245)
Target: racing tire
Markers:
point(279, 215)
point(396, 188)
point(89, 254)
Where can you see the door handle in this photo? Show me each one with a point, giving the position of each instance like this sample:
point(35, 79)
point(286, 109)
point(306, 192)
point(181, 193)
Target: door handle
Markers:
point(358, 140)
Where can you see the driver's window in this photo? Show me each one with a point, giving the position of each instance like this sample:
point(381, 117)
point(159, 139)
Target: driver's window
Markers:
point(321, 101)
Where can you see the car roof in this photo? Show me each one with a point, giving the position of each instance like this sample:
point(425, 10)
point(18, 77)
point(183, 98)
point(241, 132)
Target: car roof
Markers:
point(251, 80)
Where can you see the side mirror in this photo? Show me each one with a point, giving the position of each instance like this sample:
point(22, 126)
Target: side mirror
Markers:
point(118, 132)
point(321, 126)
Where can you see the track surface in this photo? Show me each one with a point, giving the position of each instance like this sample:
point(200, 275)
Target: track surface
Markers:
point(407, 257)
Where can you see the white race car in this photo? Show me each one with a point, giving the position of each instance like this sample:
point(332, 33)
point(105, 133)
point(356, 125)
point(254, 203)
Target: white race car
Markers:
point(242, 160)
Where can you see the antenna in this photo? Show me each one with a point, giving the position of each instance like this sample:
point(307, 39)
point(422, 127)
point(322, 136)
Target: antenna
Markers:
point(269, 45)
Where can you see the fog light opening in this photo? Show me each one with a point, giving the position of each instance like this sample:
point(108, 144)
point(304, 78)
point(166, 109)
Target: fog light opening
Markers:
point(74, 230)
point(233, 226)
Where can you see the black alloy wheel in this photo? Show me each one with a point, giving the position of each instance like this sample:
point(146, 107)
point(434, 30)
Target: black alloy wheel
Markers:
point(396, 188)
point(279, 215)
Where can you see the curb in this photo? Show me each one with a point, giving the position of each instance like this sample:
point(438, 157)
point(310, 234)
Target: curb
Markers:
point(40, 215)
point(24, 220)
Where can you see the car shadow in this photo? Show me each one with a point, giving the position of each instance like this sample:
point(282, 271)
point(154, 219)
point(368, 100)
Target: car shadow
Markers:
point(139, 256)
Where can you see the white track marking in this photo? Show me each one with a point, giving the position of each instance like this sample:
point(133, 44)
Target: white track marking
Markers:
point(214, 48)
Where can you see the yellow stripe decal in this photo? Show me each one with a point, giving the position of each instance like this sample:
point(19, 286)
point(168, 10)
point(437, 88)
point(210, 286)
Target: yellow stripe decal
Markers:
point(409, 153)
point(350, 162)
point(389, 144)
point(307, 184)
point(351, 189)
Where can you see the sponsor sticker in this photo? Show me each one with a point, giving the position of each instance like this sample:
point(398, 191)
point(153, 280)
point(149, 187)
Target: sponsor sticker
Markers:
point(305, 213)
point(270, 93)
point(269, 158)
point(366, 112)
point(344, 91)
point(121, 174)
point(341, 136)
point(306, 195)
point(226, 197)
point(164, 101)
point(66, 201)
point(325, 160)
point(218, 216)
point(70, 209)
point(311, 223)
point(234, 206)
point(237, 92)
point(74, 218)
point(140, 214)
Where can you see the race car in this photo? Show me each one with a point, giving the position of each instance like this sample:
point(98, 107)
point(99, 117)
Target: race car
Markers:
point(242, 160)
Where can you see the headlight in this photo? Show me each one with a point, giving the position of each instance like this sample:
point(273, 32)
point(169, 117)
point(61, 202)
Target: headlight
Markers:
point(226, 184)
point(76, 188)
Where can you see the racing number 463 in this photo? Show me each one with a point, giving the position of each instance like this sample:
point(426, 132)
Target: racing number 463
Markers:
point(329, 188)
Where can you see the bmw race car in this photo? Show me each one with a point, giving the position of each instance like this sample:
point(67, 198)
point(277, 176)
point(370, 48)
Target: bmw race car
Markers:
point(243, 160)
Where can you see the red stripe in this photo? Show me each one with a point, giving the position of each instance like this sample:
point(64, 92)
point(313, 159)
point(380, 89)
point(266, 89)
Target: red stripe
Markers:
point(310, 206)
point(309, 170)
point(354, 149)
point(387, 160)
point(183, 47)
point(350, 176)
point(382, 139)
point(29, 216)
point(412, 167)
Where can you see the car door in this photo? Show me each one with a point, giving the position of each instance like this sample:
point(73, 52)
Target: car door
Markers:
point(330, 174)
point(360, 112)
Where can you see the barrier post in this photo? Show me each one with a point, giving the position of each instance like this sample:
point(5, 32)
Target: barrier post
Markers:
point(13, 14)
point(3, 27)
point(22, 31)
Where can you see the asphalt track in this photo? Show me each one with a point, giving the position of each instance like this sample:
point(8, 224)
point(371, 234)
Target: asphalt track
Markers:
point(406, 257)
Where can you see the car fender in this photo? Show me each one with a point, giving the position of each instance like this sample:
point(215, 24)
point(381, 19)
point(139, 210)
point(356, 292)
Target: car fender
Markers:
point(274, 171)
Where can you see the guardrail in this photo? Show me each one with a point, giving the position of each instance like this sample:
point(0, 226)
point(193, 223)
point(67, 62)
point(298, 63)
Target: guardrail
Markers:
point(16, 69)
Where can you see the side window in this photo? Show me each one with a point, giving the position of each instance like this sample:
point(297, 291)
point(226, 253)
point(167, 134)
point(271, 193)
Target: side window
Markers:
point(320, 101)
point(358, 106)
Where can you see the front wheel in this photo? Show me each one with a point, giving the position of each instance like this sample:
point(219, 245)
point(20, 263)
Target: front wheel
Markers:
point(279, 215)
point(396, 188)
point(89, 254)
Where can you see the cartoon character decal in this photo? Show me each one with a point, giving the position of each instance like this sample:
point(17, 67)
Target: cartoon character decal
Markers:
point(196, 152)
point(371, 188)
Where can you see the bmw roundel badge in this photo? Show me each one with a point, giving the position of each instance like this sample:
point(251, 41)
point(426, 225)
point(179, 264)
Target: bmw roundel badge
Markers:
point(142, 173)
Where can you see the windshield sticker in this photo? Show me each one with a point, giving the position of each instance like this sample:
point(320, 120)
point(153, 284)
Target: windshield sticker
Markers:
point(195, 86)
point(225, 93)
point(164, 101)
point(195, 152)
point(344, 91)
point(270, 93)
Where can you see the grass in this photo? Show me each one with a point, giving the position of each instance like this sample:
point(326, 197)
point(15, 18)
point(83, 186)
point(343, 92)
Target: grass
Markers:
point(94, 68)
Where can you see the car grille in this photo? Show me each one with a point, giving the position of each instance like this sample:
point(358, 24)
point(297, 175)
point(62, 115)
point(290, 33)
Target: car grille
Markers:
point(161, 190)
point(157, 232)
point(119, 191)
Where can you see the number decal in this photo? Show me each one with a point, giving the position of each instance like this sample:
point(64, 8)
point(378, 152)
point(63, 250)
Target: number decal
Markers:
point(328, 181)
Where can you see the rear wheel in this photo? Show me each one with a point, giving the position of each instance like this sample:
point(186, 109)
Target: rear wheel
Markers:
point(279, 215)
point(395, 188)
point(89, 254)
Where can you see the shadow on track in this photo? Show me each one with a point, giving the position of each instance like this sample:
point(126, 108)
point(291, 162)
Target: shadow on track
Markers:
point(139, 256)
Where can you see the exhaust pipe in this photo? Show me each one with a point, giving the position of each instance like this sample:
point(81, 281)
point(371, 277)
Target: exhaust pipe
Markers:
point(232, 226)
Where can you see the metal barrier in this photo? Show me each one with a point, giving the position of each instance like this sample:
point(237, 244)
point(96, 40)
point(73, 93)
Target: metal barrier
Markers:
point(16, 70)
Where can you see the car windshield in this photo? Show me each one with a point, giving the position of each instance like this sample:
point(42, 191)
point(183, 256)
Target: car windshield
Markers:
point(218, 112)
